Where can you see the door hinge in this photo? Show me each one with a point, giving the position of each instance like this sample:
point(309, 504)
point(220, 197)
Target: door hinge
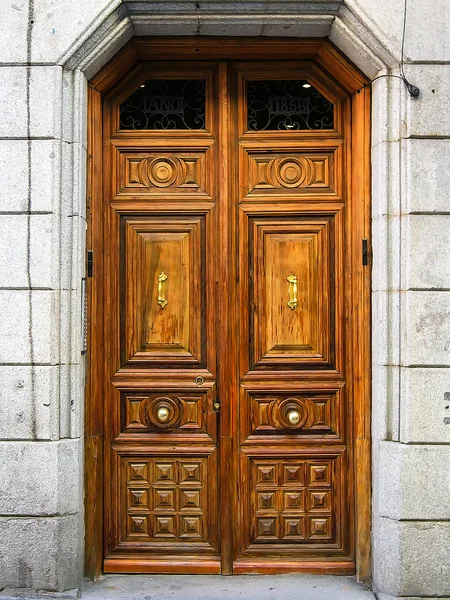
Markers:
point(90, 263)
point(365, 253)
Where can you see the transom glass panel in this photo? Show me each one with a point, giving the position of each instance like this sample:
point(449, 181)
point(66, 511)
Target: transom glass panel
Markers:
point(287, 104)
point(165, 104)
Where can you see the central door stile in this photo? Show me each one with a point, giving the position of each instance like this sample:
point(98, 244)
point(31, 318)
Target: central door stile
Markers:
point(225, 319)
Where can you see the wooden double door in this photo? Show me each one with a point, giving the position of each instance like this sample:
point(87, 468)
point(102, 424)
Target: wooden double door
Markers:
point(229, 349)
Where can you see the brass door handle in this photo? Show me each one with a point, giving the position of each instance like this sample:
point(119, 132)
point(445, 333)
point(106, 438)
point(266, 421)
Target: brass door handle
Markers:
point(162, 278)
point(293, 302)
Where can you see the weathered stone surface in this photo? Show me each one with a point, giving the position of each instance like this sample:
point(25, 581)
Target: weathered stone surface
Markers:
point(414, 481)
point(425, 568)
point(425, 408)
point(387, 554)
point(43, 273)
point(424, 115)
point(13, 101)
point(45, 91)
point(430, 42)
point(427, 168)
point(40, 478)
point(14, 325)
point(60, 26)
point(41, 553)
point(410, 558)
point(385, 328)
point(385, 402)
point(426, 251)
point(29, 407)
point(13, 31)
point(425, 328)
point(45, 159)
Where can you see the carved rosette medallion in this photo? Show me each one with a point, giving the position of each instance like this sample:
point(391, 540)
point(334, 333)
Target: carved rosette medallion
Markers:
point(292, 413)
point(292, 172)
point(161, 413)
point(165, 172)
point(162, 172)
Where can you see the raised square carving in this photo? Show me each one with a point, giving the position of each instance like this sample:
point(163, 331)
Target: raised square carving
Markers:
point(319, 501)
point(164, 499)
point(266, 500)
point(138, 499)
point(267, 528)
point(266, 474)
point(320, 528)
point(293, 474)
point(320, 474)
point(138, 526)
point(165, 472)
point(191, 527)
point(293, 528)
point(164, 526)
point(190, 499)
point(138, 471)
point(190, 472)
point(294, 500)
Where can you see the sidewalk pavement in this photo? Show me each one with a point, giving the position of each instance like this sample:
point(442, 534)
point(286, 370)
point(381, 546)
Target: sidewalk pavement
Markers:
point(210, 587)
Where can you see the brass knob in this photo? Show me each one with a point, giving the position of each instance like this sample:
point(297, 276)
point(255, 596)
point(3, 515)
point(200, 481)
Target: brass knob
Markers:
point(163, 414)
point(293, 417)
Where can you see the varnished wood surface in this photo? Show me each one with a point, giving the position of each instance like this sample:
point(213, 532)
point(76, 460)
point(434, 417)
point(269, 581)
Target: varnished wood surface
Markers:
point(226, 216)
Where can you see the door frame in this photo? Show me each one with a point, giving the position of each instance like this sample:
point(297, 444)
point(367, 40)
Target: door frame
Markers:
point(357, 85)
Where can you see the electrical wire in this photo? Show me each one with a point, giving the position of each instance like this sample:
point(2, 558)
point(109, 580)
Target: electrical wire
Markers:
point(413, 90)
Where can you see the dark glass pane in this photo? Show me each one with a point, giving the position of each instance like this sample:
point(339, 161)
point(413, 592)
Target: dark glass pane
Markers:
point(289, 104)
point(165, 104)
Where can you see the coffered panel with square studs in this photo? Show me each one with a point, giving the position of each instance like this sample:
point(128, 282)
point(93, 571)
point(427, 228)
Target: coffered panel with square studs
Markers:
point(167, 499)
point(294, 500)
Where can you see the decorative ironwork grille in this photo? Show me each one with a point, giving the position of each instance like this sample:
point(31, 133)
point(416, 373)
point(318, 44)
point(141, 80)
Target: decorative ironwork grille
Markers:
point(287, 104)
point(165, 104)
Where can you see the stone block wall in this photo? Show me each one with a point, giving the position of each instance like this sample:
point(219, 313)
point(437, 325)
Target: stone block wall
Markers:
point(48, 50)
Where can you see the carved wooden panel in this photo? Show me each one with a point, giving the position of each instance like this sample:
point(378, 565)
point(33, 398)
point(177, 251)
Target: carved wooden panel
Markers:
point(293, 501)
point(293, 417)
point(167, 499)
point(160, 415)
point(163, 289)
point(287, 174)
point(162, 173)
point(291, 291)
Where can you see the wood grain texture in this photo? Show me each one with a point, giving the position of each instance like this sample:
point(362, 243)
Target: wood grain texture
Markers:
point(199, 234)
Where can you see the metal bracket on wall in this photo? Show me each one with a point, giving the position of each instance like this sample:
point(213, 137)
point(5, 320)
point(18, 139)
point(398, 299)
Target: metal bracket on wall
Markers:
point(90, 263)
point(83, 316)
point(365, 253)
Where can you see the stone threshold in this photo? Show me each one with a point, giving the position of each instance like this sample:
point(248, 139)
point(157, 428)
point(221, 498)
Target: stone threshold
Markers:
point(209, 587)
